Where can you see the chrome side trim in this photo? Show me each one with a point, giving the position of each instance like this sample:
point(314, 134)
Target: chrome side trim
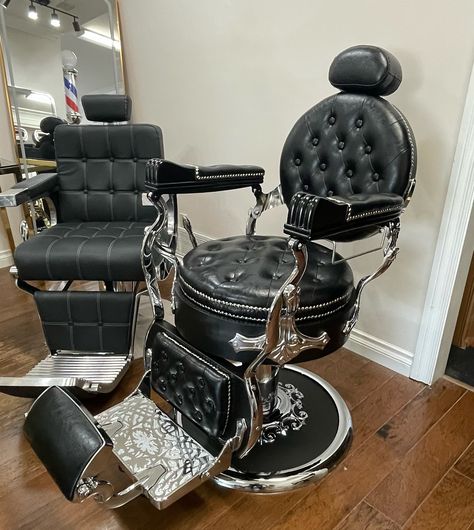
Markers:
point(265, 201)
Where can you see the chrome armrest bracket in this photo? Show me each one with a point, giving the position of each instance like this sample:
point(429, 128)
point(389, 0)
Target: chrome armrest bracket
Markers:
point(158, 253)
point(390, 251)
point(265, 201)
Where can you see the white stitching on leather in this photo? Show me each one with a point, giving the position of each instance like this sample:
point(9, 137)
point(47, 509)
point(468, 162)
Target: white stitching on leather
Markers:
point(211, 366)
point(255, 319)
point(255, 307)
point(225, 176)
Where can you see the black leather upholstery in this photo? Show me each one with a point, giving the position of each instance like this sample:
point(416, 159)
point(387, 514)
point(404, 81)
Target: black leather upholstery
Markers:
point(32, 188)
point(86, 321)
point(369, 70)
point(232, 282)
point(311, 217)
point(212, 395)
point(101, 171)
point(197, 386)
point(346, 145)
point(107, 107)
point(83, 251)
point(164, 176)
point(64, 436)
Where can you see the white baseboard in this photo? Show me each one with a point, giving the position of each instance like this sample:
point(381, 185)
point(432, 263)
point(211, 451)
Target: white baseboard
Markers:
point(6, 259)
point(381, 352)
point(362, 343)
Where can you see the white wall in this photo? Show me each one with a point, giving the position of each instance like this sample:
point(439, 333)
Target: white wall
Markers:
point(226, 81)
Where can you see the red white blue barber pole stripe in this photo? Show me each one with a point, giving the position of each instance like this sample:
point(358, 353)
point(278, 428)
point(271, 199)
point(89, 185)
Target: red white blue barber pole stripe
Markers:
point(72, 106)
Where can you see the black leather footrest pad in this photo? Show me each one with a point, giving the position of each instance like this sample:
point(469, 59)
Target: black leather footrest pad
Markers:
point(86, 321)
point(63, 436)
point(196, 385)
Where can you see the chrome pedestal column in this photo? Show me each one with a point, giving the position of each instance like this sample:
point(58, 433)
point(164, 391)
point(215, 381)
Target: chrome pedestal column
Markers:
point(307, 433)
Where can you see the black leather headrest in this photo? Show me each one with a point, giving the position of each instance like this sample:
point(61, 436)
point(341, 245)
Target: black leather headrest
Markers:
point(366, 70)
point(108, 108)
point(48, 124)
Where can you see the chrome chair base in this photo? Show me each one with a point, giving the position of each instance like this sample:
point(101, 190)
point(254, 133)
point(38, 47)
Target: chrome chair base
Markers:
point(300, 445)
point(85, 374)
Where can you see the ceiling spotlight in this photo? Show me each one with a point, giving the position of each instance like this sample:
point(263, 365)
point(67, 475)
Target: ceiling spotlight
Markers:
point(5, 3)
point(76, 25)
point(55, 19)
point(32, 13)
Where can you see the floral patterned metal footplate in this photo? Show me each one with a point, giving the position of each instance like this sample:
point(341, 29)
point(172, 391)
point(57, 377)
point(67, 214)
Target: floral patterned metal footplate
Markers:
point(154, 448)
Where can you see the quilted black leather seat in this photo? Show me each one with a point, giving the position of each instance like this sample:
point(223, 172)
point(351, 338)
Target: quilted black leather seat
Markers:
point(227, 286)
point(108, 251)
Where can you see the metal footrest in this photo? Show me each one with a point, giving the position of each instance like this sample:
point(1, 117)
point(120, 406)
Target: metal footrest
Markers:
point(131, 449)
point(163, 458)
point(80, 372)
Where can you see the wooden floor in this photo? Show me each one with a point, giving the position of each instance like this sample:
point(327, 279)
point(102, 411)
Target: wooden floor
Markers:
point(411, 464)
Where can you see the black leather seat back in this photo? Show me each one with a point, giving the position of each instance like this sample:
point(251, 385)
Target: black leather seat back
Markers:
point(354, 141)
point(101, 171)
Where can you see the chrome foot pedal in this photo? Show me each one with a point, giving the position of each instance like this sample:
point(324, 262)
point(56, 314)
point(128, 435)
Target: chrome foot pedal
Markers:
point(82, 373)
point(130, 449)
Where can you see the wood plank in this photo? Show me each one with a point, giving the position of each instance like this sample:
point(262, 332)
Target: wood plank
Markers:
point(465, 464)
point(399, 494)
point(449, 505)
point(365, 517)
point(379, 406)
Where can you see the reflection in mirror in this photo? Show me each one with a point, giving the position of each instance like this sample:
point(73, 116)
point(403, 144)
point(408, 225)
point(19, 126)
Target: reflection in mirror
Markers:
point(56, 51)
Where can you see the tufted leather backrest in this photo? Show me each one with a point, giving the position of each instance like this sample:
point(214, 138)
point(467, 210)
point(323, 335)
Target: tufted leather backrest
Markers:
point(352, 142)
point(101, 171)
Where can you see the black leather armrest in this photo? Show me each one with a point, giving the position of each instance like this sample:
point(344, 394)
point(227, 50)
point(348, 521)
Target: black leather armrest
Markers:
point(312, 217)
point(29, 189)
point(164, 176)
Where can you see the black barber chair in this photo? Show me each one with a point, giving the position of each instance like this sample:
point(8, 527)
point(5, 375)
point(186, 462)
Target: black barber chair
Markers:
point(247, 308)
point(97, 198)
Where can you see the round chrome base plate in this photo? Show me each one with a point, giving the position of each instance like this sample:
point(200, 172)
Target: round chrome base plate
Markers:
point(297, 457)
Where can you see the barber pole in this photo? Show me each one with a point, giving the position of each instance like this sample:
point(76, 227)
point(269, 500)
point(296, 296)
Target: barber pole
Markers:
point(70, 91)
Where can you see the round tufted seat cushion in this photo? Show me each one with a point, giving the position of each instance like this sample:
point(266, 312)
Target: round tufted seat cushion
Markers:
point(226, 287)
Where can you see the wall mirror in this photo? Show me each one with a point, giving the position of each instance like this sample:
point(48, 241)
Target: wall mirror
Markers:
point(54, 52)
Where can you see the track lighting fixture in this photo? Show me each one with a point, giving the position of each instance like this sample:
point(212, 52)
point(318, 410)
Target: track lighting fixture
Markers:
point(5, 3)
point(76, 25)
point(55, 19)
point(32, 12)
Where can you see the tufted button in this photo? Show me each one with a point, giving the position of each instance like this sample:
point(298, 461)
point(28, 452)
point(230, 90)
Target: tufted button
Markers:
point(201, 382)
point(209, 404)
point(112, 159)
point(332, 120)
point(191, 390)
point(197, 415)
point(359, 123)
point(162, 386)
point(330, 193)
point(297, 161)
point(172, 376)
point(306, 187)
point(163, 355)
point(349, 173)
point(315, 141)
point(179, 399)
point(375, 177)
point(323, 166)
point(341, 145)
point(180, 367)
point(368, 149)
